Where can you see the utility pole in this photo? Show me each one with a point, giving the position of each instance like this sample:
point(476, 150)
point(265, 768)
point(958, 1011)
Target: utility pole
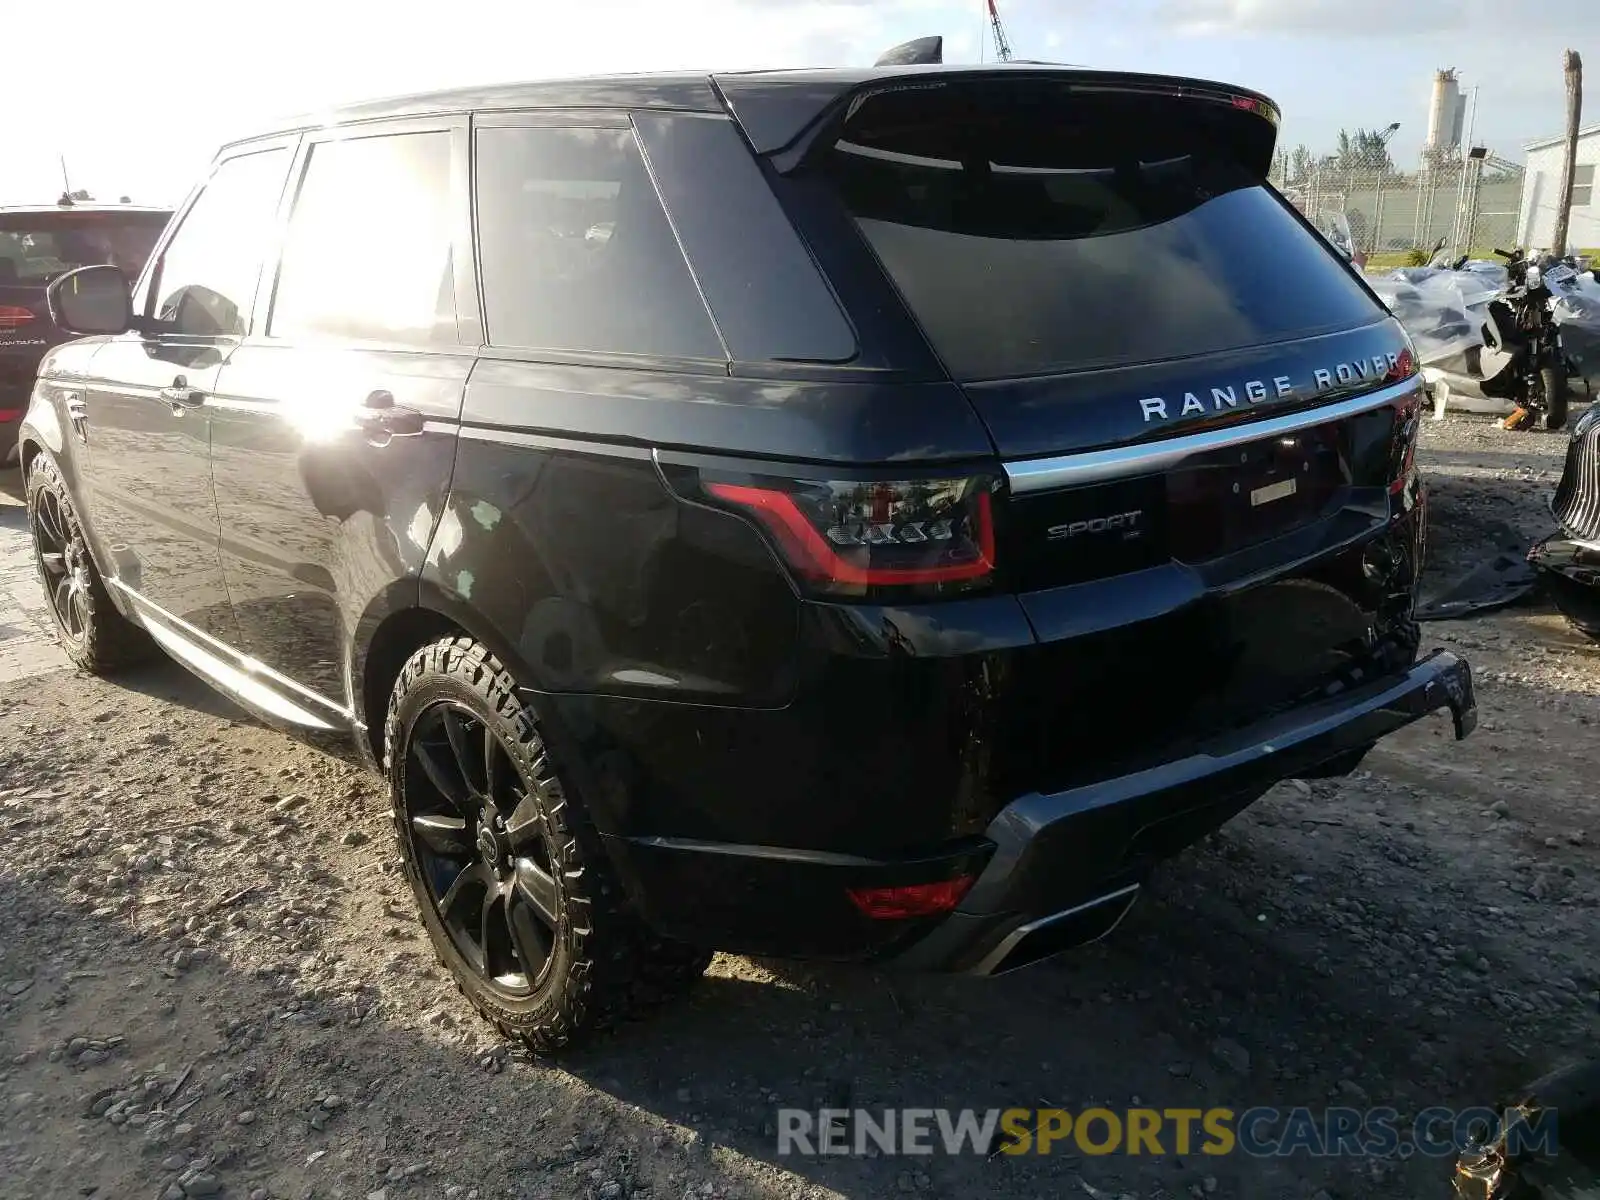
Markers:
point(1461, 232)
point(1569, 161)
point(1377, 199)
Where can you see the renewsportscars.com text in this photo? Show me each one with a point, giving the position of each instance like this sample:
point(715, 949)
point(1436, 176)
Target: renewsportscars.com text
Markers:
point(1260, 1131)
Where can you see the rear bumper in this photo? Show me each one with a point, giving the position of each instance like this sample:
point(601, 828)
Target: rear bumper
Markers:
point(1048, 886)
point(1052, 870)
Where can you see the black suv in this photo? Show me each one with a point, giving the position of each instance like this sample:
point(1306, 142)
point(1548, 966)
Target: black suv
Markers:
point(865, 514)
point(40, 243)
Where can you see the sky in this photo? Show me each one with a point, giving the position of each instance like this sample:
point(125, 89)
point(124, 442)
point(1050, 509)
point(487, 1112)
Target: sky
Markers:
point(139, 96)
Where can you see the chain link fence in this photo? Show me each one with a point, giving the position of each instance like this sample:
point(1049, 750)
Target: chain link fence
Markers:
point(1398, 216)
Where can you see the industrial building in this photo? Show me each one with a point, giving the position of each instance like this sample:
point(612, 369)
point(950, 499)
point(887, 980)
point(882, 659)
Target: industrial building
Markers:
point(1447, 109)
point(1542, 183)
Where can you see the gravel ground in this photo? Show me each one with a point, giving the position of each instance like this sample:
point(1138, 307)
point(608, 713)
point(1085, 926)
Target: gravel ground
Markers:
point(212, 983)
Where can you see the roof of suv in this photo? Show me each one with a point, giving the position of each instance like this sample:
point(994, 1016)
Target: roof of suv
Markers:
point(84, 207)
point(788, 99)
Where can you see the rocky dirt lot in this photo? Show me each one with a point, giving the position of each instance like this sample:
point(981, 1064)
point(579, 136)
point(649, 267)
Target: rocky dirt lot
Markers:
point(212, 983)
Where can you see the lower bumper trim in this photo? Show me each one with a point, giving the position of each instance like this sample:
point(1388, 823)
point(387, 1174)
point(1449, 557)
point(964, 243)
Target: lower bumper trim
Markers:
point(1068, 863)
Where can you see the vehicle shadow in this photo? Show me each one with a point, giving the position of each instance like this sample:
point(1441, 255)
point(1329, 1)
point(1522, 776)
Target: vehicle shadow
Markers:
point(1283, 961)
point(693, 1094)
point(1473, 518)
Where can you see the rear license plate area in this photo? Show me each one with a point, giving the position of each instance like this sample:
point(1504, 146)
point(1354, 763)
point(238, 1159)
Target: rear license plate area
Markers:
point(1228, 499)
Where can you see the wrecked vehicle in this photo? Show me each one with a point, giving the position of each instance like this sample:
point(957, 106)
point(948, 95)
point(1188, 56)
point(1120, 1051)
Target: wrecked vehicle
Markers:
point(1568, 562)
point(859, 514)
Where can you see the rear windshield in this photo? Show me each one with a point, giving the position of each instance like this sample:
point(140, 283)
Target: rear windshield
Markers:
point(1038, 234)
point(34, 249)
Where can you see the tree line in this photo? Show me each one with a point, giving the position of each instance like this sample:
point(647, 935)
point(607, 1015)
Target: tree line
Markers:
point(1356, 152)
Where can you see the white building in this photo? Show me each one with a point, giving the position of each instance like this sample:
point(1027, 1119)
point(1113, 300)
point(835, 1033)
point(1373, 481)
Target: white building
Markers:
point(1537, 222)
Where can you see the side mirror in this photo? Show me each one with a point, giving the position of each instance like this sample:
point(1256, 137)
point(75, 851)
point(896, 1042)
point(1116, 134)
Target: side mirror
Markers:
point(92, 300)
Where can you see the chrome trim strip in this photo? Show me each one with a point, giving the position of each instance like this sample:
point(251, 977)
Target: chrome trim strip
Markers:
point(546, 441)
point(1000, 953)
point(230, 679)
point(244, 662)
point(827, 858)
point(1091, 466)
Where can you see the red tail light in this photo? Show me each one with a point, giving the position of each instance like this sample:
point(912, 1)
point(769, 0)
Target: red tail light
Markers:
point(12, 316)
point(912, 900)
point(1406, 425)
point(850, 537)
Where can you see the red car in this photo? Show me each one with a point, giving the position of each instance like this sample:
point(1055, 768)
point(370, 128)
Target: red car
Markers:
point(37, 244)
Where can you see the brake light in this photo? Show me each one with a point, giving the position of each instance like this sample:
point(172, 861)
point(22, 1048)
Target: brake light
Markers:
point(849, 537)
point(1406, 427)
point(911, 900)
point(12, 316)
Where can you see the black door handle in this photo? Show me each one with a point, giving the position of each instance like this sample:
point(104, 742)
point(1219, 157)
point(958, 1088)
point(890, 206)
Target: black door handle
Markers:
point(381, 416)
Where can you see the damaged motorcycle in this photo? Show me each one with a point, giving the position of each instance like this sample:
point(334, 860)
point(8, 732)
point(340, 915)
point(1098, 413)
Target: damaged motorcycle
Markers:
point(1522, 331)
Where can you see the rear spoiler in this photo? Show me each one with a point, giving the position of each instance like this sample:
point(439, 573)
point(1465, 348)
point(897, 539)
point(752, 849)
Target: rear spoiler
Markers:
point(782, 113)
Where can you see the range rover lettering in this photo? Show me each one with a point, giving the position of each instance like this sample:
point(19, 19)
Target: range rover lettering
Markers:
point(865, 515)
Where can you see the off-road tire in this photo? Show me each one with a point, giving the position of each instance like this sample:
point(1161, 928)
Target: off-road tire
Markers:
point(606, 965)
point(1553, 382)
point(109, 641)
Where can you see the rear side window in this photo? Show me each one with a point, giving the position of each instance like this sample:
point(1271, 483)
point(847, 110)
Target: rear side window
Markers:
point(1034, 231)
point(40, 247)
point(206, 284)
point(575, 251)
point(769, 298)
point(368, 249)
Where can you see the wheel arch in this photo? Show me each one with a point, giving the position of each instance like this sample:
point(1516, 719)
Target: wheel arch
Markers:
point(30, 449)
point(397, 623)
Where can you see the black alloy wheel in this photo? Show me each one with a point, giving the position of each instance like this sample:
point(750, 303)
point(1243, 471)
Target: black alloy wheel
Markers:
point(484, 848)
point(90, 629)
point(63, 563)
point(514, 885)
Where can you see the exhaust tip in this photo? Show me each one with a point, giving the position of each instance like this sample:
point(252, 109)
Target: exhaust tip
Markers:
point(1048, 936)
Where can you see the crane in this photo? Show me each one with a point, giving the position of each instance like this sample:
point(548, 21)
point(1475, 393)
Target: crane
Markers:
point(1002, 45)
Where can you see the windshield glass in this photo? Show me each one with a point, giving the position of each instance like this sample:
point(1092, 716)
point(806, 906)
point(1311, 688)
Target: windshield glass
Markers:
point(36, 248)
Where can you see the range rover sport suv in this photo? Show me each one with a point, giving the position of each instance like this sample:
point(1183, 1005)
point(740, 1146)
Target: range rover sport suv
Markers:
point(863, 515)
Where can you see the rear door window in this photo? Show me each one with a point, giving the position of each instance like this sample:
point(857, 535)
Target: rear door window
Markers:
point(575, 250)
point(1071, 232)
point(368, 252)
